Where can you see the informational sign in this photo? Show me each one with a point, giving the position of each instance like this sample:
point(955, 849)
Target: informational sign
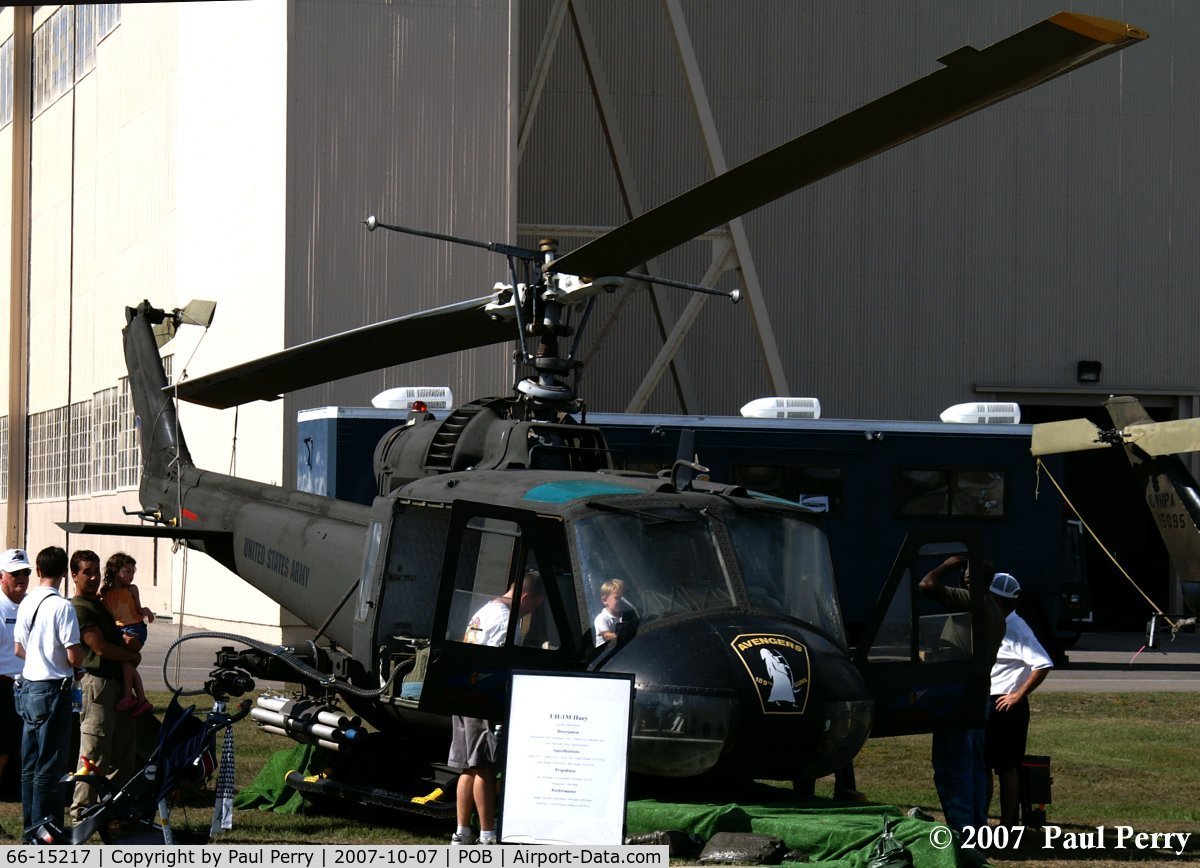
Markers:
point(567, 758)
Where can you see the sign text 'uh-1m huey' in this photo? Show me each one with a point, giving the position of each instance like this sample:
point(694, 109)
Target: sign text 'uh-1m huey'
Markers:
point(740, 661)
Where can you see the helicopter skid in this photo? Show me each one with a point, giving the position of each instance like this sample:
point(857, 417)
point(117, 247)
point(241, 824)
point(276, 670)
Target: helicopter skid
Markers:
point(380, 797)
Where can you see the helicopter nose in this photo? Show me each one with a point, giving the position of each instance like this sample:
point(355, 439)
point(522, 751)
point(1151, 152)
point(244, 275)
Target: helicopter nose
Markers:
point(743, 695)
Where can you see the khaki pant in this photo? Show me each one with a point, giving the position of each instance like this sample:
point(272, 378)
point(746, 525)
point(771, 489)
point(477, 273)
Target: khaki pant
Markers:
point(106, 737)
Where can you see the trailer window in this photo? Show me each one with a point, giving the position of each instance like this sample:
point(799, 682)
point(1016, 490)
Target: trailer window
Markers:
point(816, 486)
point(943, 492)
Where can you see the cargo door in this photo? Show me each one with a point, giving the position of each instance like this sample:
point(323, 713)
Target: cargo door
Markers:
point(927, 667)
point(480, 631)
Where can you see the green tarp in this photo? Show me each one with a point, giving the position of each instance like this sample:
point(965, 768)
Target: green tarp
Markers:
point(832, 836)
point(269, 791)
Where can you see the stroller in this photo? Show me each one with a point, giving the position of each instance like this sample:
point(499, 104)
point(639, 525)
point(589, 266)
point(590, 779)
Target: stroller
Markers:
point(185, 750)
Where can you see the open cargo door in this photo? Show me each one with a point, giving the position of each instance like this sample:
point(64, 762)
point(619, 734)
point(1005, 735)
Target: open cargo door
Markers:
point(922, 663)
point(477, 639)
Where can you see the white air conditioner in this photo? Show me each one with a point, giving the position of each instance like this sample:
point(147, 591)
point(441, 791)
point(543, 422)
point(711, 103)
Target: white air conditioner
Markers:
point(984, 413)
point(402, 398)
point(783, 408)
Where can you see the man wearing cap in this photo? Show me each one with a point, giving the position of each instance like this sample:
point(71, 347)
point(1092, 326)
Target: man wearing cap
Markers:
point(960, 770)
point(14, 582)
point(1021, 665)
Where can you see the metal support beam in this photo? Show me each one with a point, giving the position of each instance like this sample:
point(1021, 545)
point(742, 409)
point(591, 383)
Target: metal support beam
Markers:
point(716, 157)
point(626, 181)
point(671, 345)
point(541, 69)
point(18, 310)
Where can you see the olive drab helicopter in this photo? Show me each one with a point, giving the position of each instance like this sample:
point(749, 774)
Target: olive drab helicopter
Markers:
point(1170, 490)
point(734, 634)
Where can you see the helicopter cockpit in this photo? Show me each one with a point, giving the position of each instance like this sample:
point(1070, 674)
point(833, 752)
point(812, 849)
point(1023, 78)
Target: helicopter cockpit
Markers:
point(733, 625)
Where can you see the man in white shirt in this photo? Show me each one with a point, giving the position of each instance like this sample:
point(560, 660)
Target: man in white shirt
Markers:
point(1021, 665)
point(472, 742)
point(14, 581)
point(47, 638)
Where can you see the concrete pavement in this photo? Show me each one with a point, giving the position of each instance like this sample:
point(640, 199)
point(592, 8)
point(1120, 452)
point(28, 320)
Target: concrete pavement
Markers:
point(1114, 662)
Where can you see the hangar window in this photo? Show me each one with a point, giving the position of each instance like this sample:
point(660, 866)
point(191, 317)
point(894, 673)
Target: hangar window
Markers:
point(48, 454)
point(128, 464)
point(64, 49)
point(81, 448)
point(92, 23)
point(943, 492)
point(104, 440)
point(52, 59)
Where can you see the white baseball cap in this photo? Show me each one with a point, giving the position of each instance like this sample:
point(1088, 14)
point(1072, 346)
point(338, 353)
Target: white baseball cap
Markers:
point(1005, 585)
point(14, 560)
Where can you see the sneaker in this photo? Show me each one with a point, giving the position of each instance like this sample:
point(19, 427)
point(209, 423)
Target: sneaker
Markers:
point(468, 838)
point(126, 704)
point(918, 814)
point(141, 708)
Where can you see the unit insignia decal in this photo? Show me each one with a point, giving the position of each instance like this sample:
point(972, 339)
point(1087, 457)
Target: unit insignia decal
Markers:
point(779, 667)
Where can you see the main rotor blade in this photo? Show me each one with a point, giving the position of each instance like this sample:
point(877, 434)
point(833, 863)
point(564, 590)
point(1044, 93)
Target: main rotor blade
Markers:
point(448, 329)
point(972, 80)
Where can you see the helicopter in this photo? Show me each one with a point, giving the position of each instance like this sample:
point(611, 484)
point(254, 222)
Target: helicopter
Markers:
point(1170, 490)
point(742, 668)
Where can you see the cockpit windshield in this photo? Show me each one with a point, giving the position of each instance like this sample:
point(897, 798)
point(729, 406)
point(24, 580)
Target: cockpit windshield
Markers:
point(666, 560)
point(648, 562)
point(786, 567)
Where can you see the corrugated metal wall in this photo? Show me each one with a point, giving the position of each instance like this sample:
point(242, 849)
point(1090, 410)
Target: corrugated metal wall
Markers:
point(402, 111)
point(1055, 227)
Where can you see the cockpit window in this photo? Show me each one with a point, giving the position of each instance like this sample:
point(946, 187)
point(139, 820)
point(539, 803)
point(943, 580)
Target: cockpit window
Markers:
point(785, 564)
point(666, 560)
point(499, 581)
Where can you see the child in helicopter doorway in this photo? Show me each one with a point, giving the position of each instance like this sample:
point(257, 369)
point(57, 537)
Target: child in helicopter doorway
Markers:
point(120, 596)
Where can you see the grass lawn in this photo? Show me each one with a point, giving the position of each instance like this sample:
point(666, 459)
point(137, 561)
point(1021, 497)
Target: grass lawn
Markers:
point(1116, 760)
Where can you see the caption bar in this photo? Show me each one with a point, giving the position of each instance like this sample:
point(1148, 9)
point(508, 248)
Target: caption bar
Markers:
point(334, 856)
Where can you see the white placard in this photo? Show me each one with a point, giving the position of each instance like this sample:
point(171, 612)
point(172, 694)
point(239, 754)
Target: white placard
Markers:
point(567, 758)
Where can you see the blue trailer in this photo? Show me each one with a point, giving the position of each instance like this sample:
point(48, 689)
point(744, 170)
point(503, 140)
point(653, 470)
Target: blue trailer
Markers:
point(875, 482)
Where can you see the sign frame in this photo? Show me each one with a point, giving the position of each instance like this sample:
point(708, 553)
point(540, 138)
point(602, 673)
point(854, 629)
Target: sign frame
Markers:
point(585, 718)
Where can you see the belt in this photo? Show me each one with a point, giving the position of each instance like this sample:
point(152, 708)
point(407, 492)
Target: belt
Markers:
point(66, 680)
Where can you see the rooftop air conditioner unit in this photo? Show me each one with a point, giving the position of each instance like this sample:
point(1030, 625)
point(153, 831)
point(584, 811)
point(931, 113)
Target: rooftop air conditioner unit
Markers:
point(402, 398)
point(984, 413)
point(783, 408)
